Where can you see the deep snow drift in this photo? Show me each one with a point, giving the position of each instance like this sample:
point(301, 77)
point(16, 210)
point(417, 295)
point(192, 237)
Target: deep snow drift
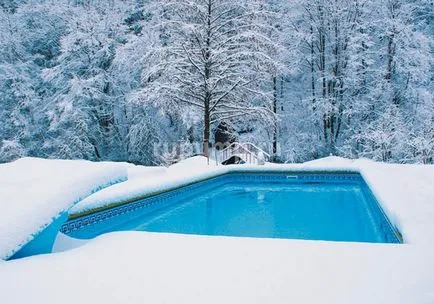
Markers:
point(33, 192)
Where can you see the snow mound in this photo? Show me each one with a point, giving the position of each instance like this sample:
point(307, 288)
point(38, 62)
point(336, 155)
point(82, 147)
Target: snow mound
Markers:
point(135, 171)
point(330, 161)
point(34, 192)
point(143, 181)
point(406, 194)
point(138, 179)
point(65, 243)
point(196, 163)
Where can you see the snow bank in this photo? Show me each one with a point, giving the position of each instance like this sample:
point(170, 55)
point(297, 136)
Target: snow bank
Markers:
point(406, 193)
point(64, 243)
point(138, 178)
point(139, 267)
point(330, 162)
point(34, 192)
point(192, 164)
point(135, 171)
point(150, 180)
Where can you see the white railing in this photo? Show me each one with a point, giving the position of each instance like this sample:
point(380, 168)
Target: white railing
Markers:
point(248, 152)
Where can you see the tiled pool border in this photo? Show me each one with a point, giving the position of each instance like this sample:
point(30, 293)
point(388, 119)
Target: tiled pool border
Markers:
point(378, 211)
point(203, 179)
point(162, 198)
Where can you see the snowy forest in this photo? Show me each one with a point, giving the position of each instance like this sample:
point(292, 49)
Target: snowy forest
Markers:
point(121, 79)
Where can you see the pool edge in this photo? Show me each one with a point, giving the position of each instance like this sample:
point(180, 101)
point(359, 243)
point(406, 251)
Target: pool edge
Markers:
point(199, 180)
point(395, 231)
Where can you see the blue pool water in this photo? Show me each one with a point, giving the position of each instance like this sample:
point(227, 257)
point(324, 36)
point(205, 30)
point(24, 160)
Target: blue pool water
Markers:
point(313, 207)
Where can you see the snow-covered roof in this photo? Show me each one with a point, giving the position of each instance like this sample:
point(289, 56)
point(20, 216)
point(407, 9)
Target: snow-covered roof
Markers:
point(34, 192)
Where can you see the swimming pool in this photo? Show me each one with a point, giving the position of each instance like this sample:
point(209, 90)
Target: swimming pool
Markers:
point(332, 207)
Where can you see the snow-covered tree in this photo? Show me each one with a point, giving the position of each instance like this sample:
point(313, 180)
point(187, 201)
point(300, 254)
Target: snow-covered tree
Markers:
point(126, 80)
point(81, 104)
point(211, 60)
point(20, 100)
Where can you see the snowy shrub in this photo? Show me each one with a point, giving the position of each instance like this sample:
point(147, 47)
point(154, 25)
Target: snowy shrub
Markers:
point(10, 150)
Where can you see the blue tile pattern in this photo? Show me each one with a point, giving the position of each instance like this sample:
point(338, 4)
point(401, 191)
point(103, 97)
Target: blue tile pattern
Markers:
point(380, 217)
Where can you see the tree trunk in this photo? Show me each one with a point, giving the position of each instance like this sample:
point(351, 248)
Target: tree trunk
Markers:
point(207, 72)
point(206, 130)
point(390, 54)
point(322, 65)
point(312, 70)
point(275, 113)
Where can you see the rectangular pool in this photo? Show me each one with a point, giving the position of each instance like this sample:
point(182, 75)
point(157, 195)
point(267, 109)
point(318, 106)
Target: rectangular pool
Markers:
point(333, 207)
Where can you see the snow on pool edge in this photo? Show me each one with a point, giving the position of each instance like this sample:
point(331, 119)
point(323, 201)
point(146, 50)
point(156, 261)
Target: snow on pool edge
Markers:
point(394, 200)
point(51, 188)
point(189, 171)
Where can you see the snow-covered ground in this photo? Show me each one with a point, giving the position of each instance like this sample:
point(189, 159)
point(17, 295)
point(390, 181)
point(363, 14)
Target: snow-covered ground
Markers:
point(34, 192)
point(140, 267)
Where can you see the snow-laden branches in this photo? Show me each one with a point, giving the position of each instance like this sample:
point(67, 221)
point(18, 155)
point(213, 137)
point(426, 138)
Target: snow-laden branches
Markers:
point(108, 80)
point(216, 56)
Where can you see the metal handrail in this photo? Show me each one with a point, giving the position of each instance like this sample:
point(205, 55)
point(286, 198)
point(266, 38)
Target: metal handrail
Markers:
point(237, 149)
point(257, 148)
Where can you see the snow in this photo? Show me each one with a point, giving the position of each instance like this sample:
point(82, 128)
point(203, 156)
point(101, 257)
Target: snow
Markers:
point(406, 192)
point(330, 161)
point(193, 164)
point(34, 192)
point(138, 178)
point(150, 180)
point(64, 243)
point(141, 267)
point(136, 171)
point(395, 186)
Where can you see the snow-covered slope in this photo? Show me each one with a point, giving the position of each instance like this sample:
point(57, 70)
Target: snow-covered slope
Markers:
point(33, 192)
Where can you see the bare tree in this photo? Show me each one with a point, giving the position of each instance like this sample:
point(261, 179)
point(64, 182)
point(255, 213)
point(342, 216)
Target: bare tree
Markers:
point(212, 56)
